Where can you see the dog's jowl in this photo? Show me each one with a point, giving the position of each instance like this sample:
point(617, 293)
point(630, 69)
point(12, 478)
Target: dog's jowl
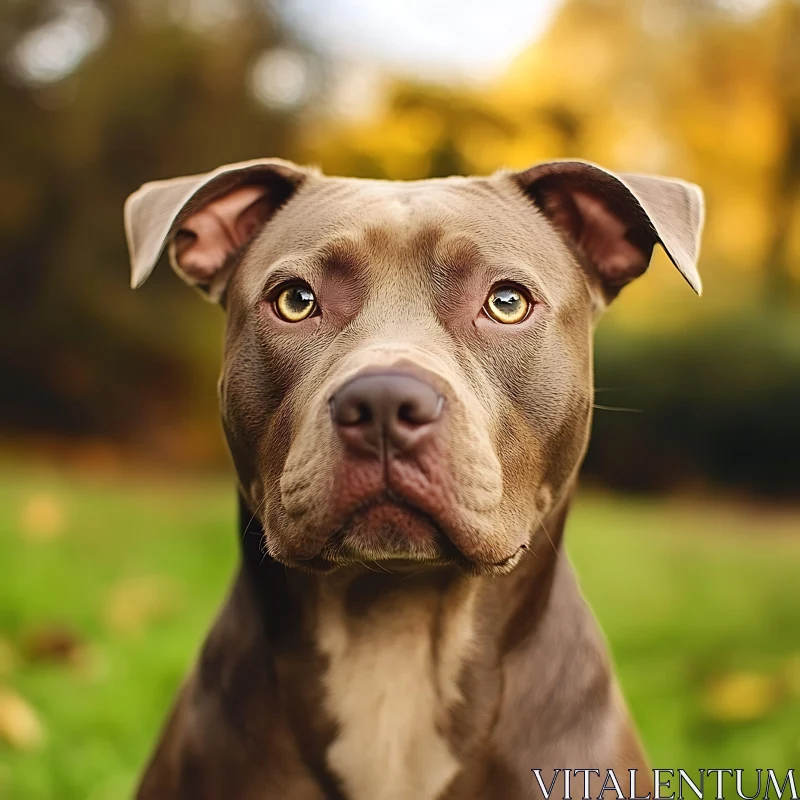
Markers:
point(406, 392)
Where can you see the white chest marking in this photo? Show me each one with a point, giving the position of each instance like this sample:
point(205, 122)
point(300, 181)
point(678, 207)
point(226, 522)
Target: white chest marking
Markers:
point(392, 677)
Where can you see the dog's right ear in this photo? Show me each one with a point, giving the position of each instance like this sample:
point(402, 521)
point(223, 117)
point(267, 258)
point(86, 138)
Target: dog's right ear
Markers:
point(205, 221)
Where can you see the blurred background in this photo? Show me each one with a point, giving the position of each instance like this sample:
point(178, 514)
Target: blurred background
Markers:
point(116, 492)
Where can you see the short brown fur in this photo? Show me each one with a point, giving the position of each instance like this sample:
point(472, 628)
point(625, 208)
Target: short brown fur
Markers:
point(443, 651)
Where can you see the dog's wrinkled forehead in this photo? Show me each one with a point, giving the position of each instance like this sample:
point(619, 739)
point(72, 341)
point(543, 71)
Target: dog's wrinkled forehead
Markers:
point(391, 233)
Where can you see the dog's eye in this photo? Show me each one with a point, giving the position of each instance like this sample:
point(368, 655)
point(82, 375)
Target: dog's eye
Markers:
point(507, 304)
point(295, 303)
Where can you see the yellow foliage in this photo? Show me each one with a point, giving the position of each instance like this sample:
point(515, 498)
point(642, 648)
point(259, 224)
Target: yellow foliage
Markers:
point(134, 603)
point(42, 517)
point(19, 724)
point(741, 697)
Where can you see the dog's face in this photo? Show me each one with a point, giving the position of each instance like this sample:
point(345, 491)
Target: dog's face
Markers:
point(407, 371)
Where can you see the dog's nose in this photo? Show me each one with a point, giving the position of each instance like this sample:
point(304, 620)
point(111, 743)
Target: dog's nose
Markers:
point(375, 411)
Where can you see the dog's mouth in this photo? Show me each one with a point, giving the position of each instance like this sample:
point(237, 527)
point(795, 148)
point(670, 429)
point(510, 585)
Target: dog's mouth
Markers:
point(390, 534)
point(389, 529)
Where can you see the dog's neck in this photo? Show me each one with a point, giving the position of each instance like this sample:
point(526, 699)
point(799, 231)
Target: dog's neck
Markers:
point(285, 597)
point(420, 669)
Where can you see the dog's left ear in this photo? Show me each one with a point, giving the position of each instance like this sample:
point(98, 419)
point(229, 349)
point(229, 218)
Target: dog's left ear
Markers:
point(205, 221)
point(614, 221)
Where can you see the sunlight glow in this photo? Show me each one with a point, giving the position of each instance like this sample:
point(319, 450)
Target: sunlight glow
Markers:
point(51, 52)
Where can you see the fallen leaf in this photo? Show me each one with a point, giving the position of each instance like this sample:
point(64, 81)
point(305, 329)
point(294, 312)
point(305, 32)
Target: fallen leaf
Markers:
point(19, 724)
point(55, 643)
point(134, 603)
point(741, 697)
point(42, 518)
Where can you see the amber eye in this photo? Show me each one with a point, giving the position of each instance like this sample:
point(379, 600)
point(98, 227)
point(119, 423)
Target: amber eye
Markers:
point(295, 303)
point(507, 304)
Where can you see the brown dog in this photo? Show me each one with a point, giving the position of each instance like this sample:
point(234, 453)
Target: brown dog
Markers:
point(406, 392)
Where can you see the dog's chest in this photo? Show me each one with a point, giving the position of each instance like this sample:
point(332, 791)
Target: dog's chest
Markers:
point(391, 682)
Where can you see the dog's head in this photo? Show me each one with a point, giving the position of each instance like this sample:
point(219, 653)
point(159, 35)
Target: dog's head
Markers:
point(408, 366)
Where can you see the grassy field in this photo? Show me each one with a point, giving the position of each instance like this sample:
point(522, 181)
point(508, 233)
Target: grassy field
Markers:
point(106, 590)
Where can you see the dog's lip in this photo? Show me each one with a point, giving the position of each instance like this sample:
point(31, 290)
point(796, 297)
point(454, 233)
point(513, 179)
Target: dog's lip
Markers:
point(452, 555)
point(390, 500)
point(325, 557)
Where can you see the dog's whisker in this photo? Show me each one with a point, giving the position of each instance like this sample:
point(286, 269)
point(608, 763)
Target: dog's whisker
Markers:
point(549, 539)
point(250, 522)
point(407, 575)
point(264, 548)
point(617, 408)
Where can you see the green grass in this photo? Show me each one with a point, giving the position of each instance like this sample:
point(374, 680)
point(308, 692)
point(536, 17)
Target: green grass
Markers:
point(700, 604)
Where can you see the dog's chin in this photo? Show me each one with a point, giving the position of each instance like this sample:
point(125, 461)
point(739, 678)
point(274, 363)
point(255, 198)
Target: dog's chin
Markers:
point(389, 532)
